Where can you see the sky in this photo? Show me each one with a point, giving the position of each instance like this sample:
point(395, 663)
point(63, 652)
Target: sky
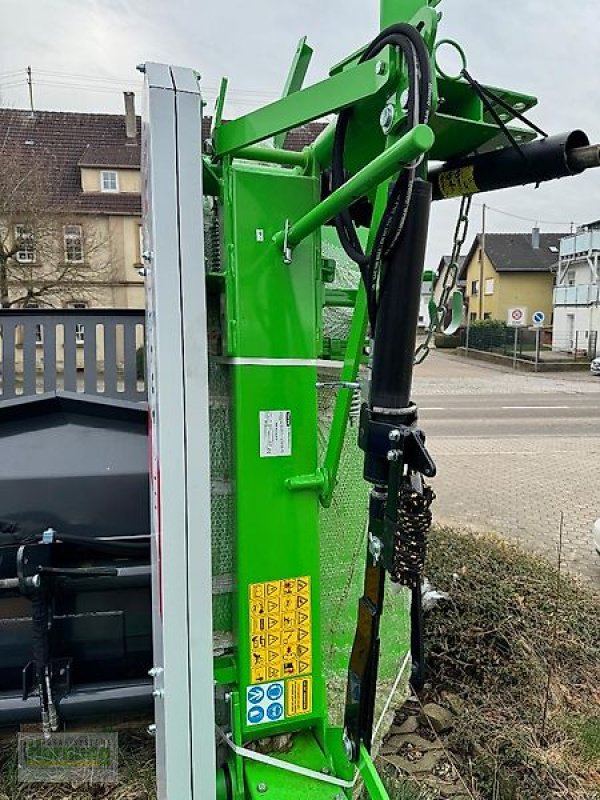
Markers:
point(83, 54)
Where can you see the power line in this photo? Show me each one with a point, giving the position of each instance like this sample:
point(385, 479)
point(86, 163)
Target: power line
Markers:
point(536, 220)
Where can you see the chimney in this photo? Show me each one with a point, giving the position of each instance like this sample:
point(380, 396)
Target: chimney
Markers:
point(535, 238)
point(130, 120)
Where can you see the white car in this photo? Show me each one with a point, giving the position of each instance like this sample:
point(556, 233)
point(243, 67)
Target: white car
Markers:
point(595, 366)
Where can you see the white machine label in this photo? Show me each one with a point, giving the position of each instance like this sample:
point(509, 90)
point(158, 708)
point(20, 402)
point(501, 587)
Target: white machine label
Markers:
point(265, 703)
point(275, 433)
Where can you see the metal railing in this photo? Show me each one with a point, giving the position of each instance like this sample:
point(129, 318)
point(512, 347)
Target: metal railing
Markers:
point(89, 351)
point(583, 295)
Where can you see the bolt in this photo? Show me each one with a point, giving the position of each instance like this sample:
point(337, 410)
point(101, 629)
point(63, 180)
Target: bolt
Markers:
point(348, 746)
point(158, 693)
point(386, 119)
point(151, 729)
point(375, 547)
point(395, 435)
point(393, 455)
point(325, 770)
point(147, 255)
point(261, 788)
point(155, 671)
point(227, 697)
point(380, 68)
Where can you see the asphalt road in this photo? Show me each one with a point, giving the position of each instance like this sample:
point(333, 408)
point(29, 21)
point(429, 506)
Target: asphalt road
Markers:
point(491, 415)
point(515, 452)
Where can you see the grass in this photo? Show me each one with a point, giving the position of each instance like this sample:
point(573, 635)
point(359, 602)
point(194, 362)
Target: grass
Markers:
point(519, 659)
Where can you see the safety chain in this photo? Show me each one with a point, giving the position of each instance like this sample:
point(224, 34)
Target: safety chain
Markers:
point(410, 545)
point(450, 279)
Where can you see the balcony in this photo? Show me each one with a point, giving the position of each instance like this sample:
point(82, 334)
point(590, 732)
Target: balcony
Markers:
point(580, 245)
point(584, 295)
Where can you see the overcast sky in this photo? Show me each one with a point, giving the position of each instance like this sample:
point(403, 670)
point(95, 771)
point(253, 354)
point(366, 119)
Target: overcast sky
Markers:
point(91, 47)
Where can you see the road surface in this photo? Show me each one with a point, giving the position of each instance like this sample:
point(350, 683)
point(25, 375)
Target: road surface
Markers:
point(514, 451)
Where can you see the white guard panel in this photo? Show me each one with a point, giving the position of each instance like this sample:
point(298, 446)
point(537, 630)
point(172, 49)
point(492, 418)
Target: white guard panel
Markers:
point(178, 394)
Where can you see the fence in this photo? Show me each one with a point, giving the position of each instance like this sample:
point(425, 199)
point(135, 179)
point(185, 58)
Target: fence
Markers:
point(530, 345)
point(92, 351)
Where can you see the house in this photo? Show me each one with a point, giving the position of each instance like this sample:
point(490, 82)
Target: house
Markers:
point(510, 269)
point(73, 238)
point(577, 292)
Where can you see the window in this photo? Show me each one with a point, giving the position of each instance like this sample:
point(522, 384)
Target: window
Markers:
point(39, 331)
point(24, 241)
point(109, 181)
point(487, 315)
point(73, 244)
point(473, 316)
point(80, 327)
point(489, 286)
point(141, 243)
point(571, 277)
point(474, 287)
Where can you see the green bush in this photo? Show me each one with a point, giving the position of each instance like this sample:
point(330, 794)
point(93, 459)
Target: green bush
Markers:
point(487, 334)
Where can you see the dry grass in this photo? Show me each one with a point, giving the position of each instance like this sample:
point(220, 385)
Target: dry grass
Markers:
point(524, 676)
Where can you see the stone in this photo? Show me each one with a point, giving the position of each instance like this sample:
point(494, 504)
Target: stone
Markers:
point(425, 764)
point(409, 725)
point(440, 719)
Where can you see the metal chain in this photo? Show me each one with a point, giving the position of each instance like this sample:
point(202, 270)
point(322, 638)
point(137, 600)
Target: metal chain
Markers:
point(450, 279)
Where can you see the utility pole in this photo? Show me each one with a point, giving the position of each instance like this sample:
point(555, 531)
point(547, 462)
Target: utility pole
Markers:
point(30, 85)
point(481, 260)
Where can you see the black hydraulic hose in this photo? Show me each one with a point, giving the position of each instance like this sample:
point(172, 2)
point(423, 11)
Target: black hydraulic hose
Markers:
point(112, 546)
point(410, 42)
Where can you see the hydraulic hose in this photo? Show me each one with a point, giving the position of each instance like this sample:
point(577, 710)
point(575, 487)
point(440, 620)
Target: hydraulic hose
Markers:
point(409, 41)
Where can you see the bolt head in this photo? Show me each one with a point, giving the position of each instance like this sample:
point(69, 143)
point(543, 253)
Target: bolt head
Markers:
point(151, 729)
point(158, 693)
point(386, 118)
point(380, 68)
point(395, 436)
point(262, 788)
point(393, 455)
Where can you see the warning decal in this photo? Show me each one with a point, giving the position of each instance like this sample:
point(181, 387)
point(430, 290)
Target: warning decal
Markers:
point(275, 433)
point(280, 629)
point(298, 697)
point(458, 182)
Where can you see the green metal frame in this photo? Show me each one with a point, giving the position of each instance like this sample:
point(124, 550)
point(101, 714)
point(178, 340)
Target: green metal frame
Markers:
point(272, 218)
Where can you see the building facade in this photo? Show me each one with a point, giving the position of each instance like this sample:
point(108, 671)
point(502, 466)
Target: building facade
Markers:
point(504, 270)
point(577, 292)
point(74, 237)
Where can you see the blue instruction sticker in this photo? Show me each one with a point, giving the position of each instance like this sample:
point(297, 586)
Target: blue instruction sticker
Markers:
point(256, 695)
point(275, 712)
point(275, 691)
point(256, 715)
point(265, 703)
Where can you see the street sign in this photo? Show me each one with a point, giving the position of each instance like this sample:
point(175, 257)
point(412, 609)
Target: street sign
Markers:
point(538, 319)
point(517, 317)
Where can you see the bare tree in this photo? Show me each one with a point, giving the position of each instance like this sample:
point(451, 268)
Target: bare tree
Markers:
point(49, 255)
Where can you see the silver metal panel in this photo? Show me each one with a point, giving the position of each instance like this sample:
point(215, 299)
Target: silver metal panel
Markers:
point(198, 477)
point(178, 393)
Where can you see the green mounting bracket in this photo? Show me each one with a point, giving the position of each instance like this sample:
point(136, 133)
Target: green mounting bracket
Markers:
point(326, 97)
point(220, 104)
point(295, 79)
point(408, 148)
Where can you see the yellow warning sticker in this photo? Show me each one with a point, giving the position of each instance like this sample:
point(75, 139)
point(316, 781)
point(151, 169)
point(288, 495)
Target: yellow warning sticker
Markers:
point(298, 697)
point(458, 182)
point(281, 630)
